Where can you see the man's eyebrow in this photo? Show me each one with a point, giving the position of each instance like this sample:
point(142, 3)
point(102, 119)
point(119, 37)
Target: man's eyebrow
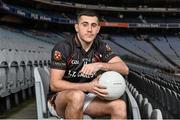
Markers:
point(87, 23)
point(84, 22)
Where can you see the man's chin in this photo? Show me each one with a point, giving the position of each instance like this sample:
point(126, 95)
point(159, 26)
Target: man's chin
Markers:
point(89, 40)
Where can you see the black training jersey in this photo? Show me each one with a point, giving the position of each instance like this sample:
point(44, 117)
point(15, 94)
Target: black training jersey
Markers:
point(69, 55)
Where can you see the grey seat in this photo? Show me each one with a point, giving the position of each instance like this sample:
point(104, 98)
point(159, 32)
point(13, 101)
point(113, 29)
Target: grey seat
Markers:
point(156, 114)
point(148, 110)
point(139, 99)
point(144, 102)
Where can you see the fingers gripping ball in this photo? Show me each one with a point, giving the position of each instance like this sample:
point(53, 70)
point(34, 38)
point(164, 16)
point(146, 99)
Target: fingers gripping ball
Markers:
point(115, 84)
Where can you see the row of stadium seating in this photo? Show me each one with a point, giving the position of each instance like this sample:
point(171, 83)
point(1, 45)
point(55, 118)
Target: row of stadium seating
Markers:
point(163, 97)
point(12, 38)
point(167, 80)
point(122, 45)
point(19, 54)
point(164, 45)
point(68, 18)
point(146, 109)
point(127, 45)
point(145, 51)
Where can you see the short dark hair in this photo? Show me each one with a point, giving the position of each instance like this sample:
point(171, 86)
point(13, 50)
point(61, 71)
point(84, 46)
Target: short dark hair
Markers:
point(87, 13)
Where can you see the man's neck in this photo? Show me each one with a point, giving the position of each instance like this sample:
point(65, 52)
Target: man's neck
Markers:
point(85, 45)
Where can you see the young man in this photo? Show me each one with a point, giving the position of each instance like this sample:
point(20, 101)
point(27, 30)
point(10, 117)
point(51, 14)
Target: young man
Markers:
point(74, 67)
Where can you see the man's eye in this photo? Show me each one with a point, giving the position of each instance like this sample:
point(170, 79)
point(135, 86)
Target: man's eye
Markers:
point(85, 24)
point(94, 25)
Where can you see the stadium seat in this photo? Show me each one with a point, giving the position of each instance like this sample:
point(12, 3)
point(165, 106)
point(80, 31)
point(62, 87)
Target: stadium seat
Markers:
point(147, 110)
point(13, 82)
point(133, 105)
point(156, 114)
point(3, 54)
point(174, 103)
point(163, 97)
point(41, 89)
point(178, 105)
point(139, 99)
point(144, 102)
point(4, 91)
point(169, 99)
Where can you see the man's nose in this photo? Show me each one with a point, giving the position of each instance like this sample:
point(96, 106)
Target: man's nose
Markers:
point(89, 28)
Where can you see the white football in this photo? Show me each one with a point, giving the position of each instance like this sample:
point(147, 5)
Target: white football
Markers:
point(115, 84)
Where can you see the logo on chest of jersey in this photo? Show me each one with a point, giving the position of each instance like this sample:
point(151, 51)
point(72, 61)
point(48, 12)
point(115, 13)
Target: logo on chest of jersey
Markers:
point(75, 62)
point(71, 61)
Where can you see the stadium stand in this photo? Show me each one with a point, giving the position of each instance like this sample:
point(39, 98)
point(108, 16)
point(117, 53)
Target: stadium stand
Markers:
point(18, 55)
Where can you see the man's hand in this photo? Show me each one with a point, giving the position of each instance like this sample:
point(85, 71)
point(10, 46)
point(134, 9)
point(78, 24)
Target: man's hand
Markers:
point(97, 89)
point(89, 69)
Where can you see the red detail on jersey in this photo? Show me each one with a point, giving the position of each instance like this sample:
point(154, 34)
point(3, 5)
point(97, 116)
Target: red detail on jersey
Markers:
point(96, 58)
point(69, 60)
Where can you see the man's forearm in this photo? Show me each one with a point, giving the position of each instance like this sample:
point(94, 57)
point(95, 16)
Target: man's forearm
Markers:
point(118, 67)
point(65, 85)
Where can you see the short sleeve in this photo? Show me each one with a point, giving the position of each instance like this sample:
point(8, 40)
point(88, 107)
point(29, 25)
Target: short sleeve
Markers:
point(106, 51)
point(59, 56)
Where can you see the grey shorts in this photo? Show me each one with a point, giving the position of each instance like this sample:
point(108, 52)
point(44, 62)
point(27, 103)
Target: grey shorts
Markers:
point(51, 105)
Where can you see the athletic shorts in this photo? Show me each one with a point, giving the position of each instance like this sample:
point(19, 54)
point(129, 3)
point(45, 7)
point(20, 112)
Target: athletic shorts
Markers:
point(51, 103)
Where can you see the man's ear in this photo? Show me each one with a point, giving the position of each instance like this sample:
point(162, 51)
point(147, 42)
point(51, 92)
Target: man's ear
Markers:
point(76, 27)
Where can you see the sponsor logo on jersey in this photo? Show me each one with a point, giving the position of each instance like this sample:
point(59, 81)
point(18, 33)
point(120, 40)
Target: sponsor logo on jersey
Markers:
point(75, 62)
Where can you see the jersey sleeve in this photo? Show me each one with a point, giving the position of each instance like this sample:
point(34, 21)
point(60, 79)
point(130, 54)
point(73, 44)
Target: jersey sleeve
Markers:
point(59, 56)
point(106, 52)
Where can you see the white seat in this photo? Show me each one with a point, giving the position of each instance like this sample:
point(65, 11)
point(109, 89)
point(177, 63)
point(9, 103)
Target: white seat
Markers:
point(41, 90)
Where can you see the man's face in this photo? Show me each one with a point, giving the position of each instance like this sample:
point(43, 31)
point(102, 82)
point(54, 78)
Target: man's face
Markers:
point(87, 28)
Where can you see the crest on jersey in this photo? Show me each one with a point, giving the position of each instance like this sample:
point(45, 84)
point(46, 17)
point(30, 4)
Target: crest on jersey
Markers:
point(108, 48)
point(57, 55)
